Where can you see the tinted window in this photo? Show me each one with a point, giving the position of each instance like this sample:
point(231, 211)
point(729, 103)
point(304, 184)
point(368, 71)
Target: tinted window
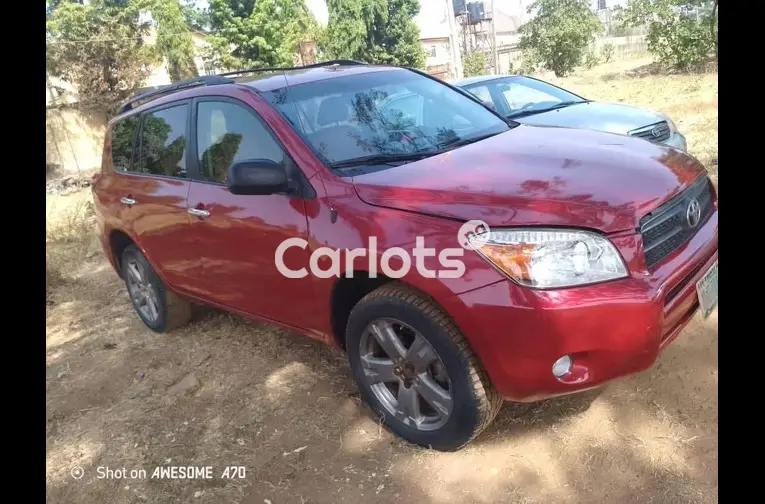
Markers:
point(227, 133)
point(163, 142)
point(123, 134)
point(353, 116)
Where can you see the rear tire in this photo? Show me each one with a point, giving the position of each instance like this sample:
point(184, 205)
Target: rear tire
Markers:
point(160, 309)
point(457, 401)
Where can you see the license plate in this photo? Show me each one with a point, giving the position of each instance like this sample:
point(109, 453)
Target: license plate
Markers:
point(706, 288)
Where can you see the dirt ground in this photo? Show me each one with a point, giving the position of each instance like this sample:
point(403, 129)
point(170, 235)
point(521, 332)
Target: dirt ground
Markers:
point(228, 392)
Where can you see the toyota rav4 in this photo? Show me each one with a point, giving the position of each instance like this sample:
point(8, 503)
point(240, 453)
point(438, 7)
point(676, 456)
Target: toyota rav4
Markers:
point(302, 197)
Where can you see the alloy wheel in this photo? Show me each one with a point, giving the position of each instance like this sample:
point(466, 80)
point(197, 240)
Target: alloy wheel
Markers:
point(142, 292)
point(405, 374)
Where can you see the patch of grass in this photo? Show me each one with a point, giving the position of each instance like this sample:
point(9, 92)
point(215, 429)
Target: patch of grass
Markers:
point(69, 234)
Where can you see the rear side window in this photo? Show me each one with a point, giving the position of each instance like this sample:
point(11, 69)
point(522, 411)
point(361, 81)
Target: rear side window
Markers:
point(163, 142)
point(123, 135)
point(227, 133)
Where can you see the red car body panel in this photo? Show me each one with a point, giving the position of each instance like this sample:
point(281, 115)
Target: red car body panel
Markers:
point(526, 176)
point(242, 274)
point(538, 176)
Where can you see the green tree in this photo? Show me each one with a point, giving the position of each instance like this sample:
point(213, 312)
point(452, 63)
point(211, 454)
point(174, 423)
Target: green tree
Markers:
point(196, 17)
point(560, 32)
point(681, 33)
point(474, 63)
point(98, 48)
point(256, 34)
point(374, 31)
point(174, 38)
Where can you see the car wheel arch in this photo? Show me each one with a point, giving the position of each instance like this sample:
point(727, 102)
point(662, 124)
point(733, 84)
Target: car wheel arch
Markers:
point(348, 290)
point(118, 242)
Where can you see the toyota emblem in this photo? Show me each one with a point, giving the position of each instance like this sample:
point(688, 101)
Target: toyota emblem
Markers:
point(693, 213)
point(656, 132)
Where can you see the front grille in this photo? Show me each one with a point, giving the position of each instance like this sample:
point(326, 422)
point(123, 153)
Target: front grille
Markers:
point(667, 228)
point(658, 132)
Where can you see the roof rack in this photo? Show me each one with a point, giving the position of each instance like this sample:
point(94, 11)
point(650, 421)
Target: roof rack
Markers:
point(337, 62)
point(223, 78)
point(203, 80)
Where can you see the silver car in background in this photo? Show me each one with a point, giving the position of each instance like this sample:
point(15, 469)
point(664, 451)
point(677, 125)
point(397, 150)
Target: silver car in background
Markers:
point(531, 101)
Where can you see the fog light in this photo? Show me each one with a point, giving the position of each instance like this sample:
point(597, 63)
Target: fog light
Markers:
point(562, 366)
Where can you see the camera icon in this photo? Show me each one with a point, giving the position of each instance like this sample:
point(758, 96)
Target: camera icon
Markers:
point(77, 472)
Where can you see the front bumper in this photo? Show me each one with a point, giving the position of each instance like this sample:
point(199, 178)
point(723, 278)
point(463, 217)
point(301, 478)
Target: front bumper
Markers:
point(611, 330)
point(677, 141)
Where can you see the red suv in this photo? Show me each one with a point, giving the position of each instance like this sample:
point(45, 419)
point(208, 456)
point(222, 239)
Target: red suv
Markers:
point(459, 258)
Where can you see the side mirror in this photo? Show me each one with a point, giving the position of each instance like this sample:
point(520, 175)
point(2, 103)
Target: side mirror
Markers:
point(257, 177)
point(489, 105)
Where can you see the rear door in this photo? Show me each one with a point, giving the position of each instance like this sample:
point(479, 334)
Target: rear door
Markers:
point(152, 191)
point(238, 235)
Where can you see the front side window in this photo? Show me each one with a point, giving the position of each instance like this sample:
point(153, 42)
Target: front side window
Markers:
point(163, 142)
point(227, 133)
point(382, 113)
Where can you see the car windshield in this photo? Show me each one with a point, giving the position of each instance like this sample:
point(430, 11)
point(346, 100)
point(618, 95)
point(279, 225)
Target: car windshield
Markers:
point(516, 96)
point(380, 116)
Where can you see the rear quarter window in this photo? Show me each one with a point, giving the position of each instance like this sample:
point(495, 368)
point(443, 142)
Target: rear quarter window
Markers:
point(122, 141)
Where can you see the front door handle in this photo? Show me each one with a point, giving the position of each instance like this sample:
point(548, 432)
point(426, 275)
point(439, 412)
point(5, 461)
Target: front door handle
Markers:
point(128, 201)
point(198, 212)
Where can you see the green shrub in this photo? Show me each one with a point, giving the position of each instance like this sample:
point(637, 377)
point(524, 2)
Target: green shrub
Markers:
point(681, 33)
point(474, 63)
point(607, 52)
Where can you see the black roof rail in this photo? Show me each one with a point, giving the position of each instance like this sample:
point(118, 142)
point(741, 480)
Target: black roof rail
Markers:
point(202, 80)
point(223, 78)
point(337, 62)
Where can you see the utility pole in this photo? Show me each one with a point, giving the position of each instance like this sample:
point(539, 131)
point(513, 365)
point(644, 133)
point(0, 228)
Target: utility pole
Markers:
point(453, 40)
point(494, 58)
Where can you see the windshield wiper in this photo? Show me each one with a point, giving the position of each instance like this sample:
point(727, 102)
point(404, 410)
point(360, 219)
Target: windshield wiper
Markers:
point(382, 159)
point(546, 109)
point(404, 157)
point(463, 141)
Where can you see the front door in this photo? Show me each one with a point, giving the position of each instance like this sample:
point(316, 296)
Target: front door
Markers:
point(238, 235)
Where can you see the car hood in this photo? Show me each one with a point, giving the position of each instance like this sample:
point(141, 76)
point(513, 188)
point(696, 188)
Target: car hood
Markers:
point(610, 117)
point(538, 176)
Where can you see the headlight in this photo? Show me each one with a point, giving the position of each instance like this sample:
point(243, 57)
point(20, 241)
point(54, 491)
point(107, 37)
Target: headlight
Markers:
point(549, 258)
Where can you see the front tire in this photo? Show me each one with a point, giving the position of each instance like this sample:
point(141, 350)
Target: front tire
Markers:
point(416, 371)
point(160, 309)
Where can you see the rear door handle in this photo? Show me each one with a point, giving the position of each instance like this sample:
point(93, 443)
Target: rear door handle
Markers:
point(128, 201)
point(198, 212)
